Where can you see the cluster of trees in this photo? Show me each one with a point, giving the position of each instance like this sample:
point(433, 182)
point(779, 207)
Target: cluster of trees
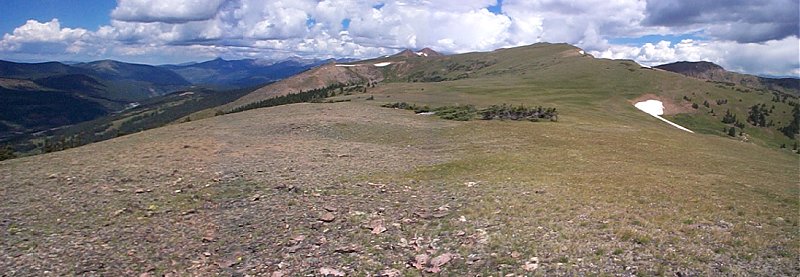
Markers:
point(518, 113)
point(793, 128)
point(407, 106)
point(730, 118)
point(300, 97)
point(757, 115)
point(458, 113)
point(779, 97)
point(64, 142)
point(721, 101)
point(7, 152)
point(468, 112)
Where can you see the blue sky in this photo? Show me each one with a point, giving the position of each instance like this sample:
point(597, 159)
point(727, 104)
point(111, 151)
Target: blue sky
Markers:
point(759, 37)
point(87, 14)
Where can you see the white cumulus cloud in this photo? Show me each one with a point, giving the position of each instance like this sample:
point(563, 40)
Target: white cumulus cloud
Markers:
point(172, 11)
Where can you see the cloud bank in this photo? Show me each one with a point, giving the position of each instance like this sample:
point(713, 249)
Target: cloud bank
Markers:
point(759, 38)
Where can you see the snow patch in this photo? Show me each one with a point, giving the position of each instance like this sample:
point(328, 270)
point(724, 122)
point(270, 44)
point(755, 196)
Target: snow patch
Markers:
point(656, 109)
point(382, 64)
point(422, 54)
point(345, 65)
point(581, 52)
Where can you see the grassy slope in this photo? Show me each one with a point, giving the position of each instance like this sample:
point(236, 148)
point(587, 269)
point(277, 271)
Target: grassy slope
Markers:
point(607, 189)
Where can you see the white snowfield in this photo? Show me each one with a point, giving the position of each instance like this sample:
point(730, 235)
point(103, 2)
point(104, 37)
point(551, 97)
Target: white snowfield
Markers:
point(382, 64)
point(656, 109)
point(345, 65)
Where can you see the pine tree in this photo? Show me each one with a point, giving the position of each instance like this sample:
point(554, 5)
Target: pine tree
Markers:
point(729, 117)
point(732, 131)
point(793, 128)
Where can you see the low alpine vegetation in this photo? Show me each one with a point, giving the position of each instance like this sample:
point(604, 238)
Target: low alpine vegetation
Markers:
point(469, 112)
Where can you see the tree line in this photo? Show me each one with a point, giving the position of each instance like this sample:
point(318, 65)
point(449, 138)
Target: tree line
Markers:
point(300, 97)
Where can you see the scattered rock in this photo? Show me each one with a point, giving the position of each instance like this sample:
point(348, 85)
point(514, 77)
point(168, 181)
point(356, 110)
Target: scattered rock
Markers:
point(298, 239)
point(439, 261)
point(329, 207)
point(531, 265)
point(142, 190)
point(255, 197)
point(120, 211)
point(473, 259)
point(423, 214)
point(192, 211)
point(376, 226)
point(515, 254)
point(327, 271)
point(279, 273)
point(420, 261)
point(389, 273)
point(230, 261)
point(327, 217)
point(347, 249)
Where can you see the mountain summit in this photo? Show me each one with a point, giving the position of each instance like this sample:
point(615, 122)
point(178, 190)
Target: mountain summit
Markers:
point(424, 52)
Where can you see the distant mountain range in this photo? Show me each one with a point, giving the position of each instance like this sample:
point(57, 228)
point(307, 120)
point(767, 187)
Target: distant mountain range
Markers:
point(241, 73)
point(715, 73)
point(41, 96)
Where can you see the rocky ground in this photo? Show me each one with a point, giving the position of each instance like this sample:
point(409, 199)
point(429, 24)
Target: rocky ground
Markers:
point(349, 189)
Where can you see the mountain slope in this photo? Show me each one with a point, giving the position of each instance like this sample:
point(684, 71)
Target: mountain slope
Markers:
point(350, 186)
point(23, 111)
point(239, 73)
point(558, 67)
point(134, 82)
point(44, 96)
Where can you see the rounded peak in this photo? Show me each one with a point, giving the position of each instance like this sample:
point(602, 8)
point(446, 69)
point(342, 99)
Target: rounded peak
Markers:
point(424, 52)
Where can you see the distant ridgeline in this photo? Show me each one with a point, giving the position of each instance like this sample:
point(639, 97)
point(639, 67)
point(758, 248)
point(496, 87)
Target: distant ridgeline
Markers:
point(313, 95)
point(469, 112)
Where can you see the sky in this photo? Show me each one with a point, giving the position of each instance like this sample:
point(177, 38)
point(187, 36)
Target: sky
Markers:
point(749, 36)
